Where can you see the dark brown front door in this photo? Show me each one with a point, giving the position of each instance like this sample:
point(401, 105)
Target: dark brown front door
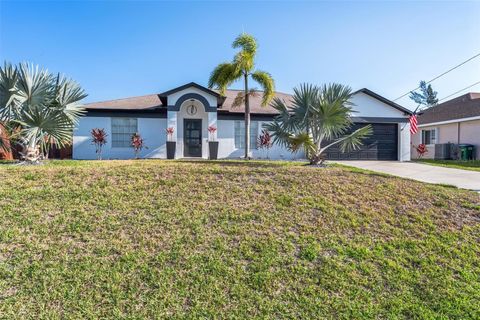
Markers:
point(192, 137)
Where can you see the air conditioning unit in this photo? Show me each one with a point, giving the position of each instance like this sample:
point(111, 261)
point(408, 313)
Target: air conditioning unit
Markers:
point(444, 151)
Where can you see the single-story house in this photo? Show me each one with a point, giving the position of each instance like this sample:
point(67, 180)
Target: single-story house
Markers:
point(456, 121)
point(190, 109)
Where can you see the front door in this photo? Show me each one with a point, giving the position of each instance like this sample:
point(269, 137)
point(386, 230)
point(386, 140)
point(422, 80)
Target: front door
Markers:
point(192, 137)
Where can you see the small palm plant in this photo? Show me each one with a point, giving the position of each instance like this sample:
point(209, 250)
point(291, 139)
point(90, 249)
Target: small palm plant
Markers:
point(138, 143)
point(40, 109)
point(99, 139)
point(318, 119)
point(242, 67)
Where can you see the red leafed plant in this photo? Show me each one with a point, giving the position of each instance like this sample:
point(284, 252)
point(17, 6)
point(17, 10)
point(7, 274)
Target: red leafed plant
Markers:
point(211, 131)
point(170, 131)
point(265, 141)
point(99, 139)
point(138, 144)
point(421, 150)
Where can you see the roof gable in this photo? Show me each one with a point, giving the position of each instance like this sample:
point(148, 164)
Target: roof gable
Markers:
point(164, 95)
point(384, 100)
point(189, 85)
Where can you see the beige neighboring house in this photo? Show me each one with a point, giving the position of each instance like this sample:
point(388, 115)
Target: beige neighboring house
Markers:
point(456, 121)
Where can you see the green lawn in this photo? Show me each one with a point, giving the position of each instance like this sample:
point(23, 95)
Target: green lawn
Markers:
point(473, 165)
point(159, 239)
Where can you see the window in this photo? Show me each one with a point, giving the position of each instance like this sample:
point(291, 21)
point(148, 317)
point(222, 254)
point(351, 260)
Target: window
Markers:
point(122, 131)
point(240, 134)
point(429, 136)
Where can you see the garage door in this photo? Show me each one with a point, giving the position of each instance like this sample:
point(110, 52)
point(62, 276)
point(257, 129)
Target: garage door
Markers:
point(381, 145)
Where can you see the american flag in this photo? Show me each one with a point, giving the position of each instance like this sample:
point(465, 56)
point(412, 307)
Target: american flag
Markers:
point(413, 124)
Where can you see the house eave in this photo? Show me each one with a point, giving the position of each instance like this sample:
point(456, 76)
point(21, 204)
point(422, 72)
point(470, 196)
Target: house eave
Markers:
point(448, 121)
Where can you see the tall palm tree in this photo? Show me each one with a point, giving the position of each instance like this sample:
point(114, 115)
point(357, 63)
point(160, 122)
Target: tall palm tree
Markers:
point(37, 108)
point(317, 119)
point(242, 66)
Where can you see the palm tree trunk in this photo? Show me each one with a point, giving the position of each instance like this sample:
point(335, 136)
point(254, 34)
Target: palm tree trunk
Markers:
point(247, 119)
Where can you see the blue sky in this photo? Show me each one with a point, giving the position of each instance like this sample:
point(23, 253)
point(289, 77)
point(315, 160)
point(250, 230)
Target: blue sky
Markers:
point(118, 49)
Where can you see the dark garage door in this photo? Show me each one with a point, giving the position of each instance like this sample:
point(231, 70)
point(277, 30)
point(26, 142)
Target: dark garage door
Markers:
point(381, 145)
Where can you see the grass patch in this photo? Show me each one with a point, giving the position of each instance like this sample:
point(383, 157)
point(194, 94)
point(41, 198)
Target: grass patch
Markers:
point(233, 239)
point(473, 165)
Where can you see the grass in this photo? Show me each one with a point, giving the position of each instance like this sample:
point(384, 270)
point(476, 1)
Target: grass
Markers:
point(159, 239)
point(473, 165)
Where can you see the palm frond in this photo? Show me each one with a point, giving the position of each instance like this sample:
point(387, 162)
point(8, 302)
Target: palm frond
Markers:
point(223, 75)
point(268, 85)
point(8, 91)
point(42, 108)
point(244, 61)
point(280, 135)
point(354, 140)
point(303, 141)
point(68, 97)
point(245, 42)
point(285, 116)
point(35, 85)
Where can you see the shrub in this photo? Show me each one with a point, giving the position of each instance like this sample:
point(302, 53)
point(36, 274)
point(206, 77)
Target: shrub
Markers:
point(138, 144)
point(99, 139)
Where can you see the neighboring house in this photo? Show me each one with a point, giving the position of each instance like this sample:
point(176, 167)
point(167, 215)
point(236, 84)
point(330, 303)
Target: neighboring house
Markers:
point(456, 121)
point(191, 109)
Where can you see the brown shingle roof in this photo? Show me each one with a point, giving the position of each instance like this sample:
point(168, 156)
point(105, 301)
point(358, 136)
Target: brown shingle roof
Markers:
point(465, 106)
point(150, 101)
point(153, 101)
point(255, 103)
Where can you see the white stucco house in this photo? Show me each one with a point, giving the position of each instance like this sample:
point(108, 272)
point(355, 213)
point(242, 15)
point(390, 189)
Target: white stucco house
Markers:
point(190, 109)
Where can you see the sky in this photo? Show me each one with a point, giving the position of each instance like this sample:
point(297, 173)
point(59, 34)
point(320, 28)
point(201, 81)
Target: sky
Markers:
point(118, 49)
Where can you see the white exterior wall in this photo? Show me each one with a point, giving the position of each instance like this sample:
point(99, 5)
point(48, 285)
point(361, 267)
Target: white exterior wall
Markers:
point(367, 106)
point(404, 144)
point(151, 129)
point(226, 145)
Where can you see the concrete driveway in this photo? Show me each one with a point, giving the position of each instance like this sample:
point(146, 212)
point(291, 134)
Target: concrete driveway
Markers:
point(422, 172)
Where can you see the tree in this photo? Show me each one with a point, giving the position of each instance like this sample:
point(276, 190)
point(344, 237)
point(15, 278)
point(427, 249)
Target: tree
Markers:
point(242, 67)
point(318, 118)
point(427, 97)
point(38, 108)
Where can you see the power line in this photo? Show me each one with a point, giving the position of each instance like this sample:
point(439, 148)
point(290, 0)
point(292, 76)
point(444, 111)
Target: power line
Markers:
point(441, 75)
point(478, 82)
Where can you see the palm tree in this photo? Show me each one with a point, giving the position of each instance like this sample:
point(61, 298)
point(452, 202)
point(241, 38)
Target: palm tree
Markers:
point(242, 66)
point(37, 108)
point(318, 118)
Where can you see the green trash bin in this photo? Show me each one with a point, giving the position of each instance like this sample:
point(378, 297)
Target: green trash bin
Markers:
point(466, 152)
point(471, 152)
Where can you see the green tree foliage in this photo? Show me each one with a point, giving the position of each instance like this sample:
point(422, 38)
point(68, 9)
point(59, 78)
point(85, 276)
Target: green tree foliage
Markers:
point(37, 108)
point(426, 97)
point(318, 118)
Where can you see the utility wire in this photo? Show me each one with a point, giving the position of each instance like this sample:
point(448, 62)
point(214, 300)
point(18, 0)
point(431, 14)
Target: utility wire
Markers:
point(441, 75)
point(478, 82)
